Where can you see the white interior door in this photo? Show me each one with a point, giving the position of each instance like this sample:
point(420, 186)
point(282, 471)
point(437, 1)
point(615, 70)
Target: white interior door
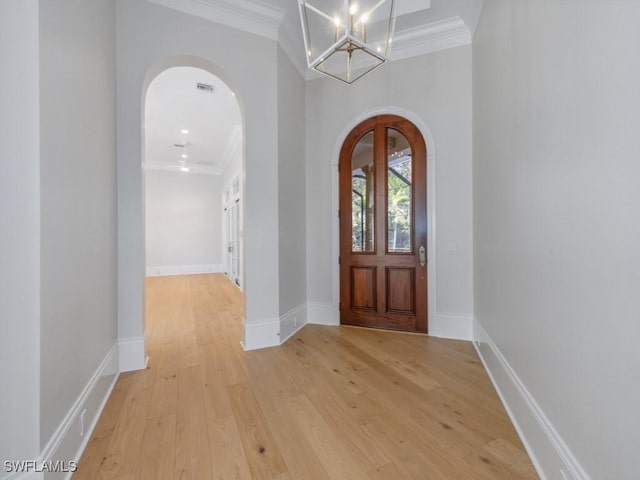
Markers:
point(235, 242)
point(232, 221)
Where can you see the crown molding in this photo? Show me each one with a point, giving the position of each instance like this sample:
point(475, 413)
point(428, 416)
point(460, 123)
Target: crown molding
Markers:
point(193, 168)
point(253, 16)
point(429, 38)
point(263, 19)
point(433, 37)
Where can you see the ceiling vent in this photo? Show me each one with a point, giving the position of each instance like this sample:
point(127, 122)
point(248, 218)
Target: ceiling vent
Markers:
point(204, 87)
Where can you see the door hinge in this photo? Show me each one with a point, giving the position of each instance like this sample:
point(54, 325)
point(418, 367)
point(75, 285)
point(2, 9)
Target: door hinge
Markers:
point(339, 260)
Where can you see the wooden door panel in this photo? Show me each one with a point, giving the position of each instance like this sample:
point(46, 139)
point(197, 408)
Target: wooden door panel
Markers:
point(401, 287)
point(383, 224)
point(390, 322)
point(363, 288)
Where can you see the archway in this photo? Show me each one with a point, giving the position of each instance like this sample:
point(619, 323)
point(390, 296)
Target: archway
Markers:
point(193, 165)
point(192, 176)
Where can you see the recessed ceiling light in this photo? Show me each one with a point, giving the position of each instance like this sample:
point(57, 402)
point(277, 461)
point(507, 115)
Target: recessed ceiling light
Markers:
point(184, 131)
point(184, 155)
point(233, 93)
point(184, 169)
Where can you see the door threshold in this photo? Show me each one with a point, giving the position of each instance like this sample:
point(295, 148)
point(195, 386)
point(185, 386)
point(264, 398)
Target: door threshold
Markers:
point(422, 334)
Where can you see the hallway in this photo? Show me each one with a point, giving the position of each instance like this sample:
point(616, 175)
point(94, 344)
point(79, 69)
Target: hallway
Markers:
point(341, 403)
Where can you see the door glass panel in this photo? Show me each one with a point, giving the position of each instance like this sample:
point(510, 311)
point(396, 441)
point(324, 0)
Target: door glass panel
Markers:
point(362, 195)
point(399, 193)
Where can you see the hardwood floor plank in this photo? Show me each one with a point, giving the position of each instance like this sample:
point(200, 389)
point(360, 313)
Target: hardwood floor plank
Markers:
point(263, 454)
point(325, 442)
point(158, 455)
point(372, 419)
point(340, 407)
point(164, 397)
point(444, 440)
point(123, 451)
point(393, 362)
point(192, 437)
point(514, 457)
point(298, 453)
point(448, 437)
point(93, 458)
point(270, 375)
point(228, 458)
point(464, 376)
point(332, 403)
point(216, 398)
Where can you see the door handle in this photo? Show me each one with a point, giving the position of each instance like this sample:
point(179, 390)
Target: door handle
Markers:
point(423, 256)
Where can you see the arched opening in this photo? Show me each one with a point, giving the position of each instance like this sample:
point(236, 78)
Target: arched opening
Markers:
point(193, 191)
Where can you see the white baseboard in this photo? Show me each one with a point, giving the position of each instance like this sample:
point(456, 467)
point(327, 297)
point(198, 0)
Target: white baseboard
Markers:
point(550, 454)
point(322, 314)
point(132, 355)
point(262, 334)
point(444, 325)
point(454, 326)
point(68, 442)
point(238, 284)
point(25, 476)
point(292, 321)
point(164, 270)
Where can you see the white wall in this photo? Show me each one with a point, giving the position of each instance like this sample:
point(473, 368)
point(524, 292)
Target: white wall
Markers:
point(151, 38)
point(436, 89)
point(78, 200)
point(183, 222)
point(291, 185)
point(234, 168)
point(291, 197)
point(556, 195)
point(20, 232)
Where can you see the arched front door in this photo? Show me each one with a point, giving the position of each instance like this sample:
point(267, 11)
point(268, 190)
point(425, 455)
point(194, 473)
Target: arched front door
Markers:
point(383, 226)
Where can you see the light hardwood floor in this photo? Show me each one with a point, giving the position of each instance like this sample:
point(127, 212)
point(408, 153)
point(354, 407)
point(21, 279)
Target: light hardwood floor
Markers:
point(333, 402)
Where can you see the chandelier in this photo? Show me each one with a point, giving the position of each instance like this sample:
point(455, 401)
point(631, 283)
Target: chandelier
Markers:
point(346, 39)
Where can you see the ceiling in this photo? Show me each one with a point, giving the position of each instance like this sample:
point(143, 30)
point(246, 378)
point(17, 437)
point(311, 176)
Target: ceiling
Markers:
point(422, 26)
point(213, 120)
point(173, 104)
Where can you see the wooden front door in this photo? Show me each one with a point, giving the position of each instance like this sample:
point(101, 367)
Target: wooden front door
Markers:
point(383, 226)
